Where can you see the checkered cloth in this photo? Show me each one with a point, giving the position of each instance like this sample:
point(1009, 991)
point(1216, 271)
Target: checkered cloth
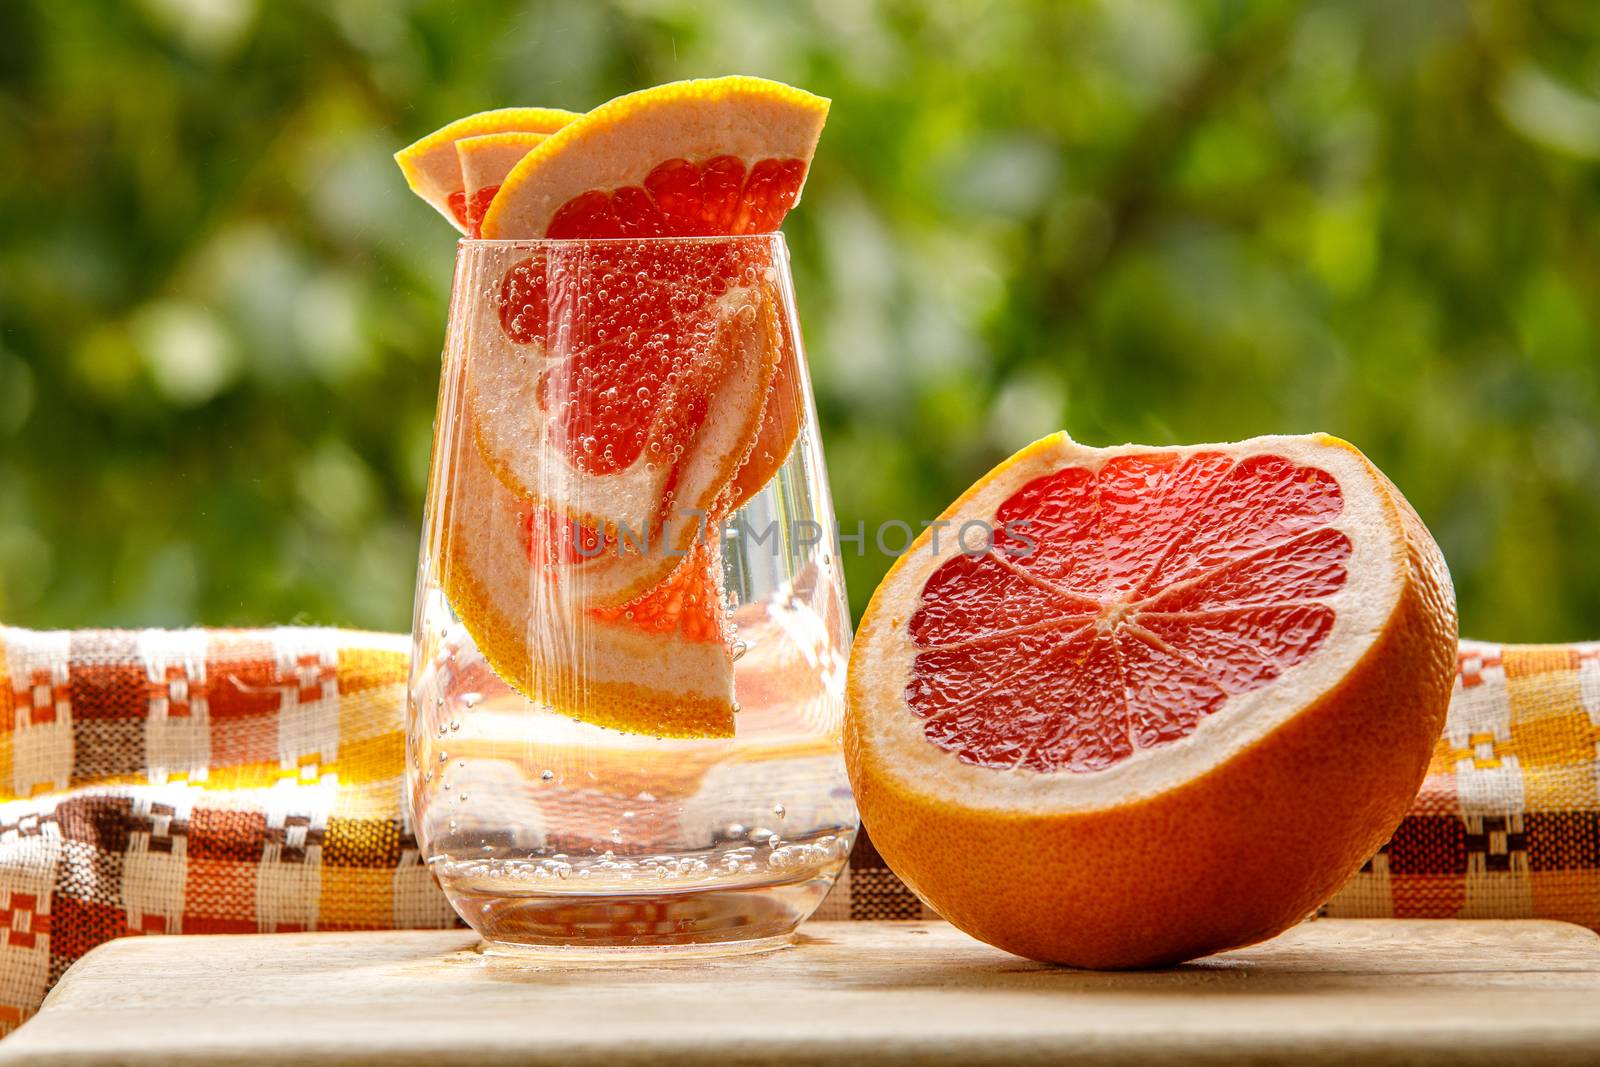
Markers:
point(251, 781)
point(1507, 825)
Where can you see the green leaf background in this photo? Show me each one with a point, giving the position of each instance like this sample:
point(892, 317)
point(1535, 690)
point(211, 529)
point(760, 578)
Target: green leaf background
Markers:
point(1152, 220)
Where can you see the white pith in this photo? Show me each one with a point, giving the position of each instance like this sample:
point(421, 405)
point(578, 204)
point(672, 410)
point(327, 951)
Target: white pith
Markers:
point(892, 733)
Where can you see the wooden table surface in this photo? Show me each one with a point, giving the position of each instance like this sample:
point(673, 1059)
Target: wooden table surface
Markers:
point(1331, 991)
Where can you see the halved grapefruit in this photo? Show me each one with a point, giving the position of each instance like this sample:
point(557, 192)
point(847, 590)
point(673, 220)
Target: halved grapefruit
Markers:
point(1182, 696)
point(485, 161)
point(433, 170)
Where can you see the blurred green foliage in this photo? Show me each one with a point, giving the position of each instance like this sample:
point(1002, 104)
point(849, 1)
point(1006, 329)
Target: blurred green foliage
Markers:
point(1157, 220)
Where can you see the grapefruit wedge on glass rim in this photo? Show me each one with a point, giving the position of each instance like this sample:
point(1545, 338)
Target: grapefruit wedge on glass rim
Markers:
point(709, 157)
point(431, 166)
point(485, 161)
point(1180, 697)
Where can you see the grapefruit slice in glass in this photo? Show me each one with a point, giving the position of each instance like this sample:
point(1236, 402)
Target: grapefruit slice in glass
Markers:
point(433, 170)
point(1165, 704)
point(628, 413)
point(781, 411)
point(485, 161)
point(659, 665)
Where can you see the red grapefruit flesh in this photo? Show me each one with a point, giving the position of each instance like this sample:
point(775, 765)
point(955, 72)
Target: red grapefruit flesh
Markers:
point(679, 198)
point(1179, 699)
point(1139, 635)
point(781, 412)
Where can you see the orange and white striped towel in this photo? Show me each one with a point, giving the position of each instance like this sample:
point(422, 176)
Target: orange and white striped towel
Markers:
point(202, 781)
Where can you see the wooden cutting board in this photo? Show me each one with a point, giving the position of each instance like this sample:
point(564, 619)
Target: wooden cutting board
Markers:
point(1333, 991)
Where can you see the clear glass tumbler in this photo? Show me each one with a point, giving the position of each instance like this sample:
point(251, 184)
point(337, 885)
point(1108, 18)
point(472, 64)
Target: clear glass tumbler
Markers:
point(630, 632)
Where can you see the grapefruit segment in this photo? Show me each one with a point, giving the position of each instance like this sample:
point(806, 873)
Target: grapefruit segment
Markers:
point(628, 414)
point(714, 156)
point(1179, 698)
point(485, 160)
point(433, 170)
point(780, 421)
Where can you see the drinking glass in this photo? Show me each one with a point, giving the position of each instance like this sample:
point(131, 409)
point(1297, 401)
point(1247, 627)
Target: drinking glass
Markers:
point(622, 736)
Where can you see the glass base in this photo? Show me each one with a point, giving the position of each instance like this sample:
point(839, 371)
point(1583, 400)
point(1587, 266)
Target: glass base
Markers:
point(633, 953)
point(732, 920)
